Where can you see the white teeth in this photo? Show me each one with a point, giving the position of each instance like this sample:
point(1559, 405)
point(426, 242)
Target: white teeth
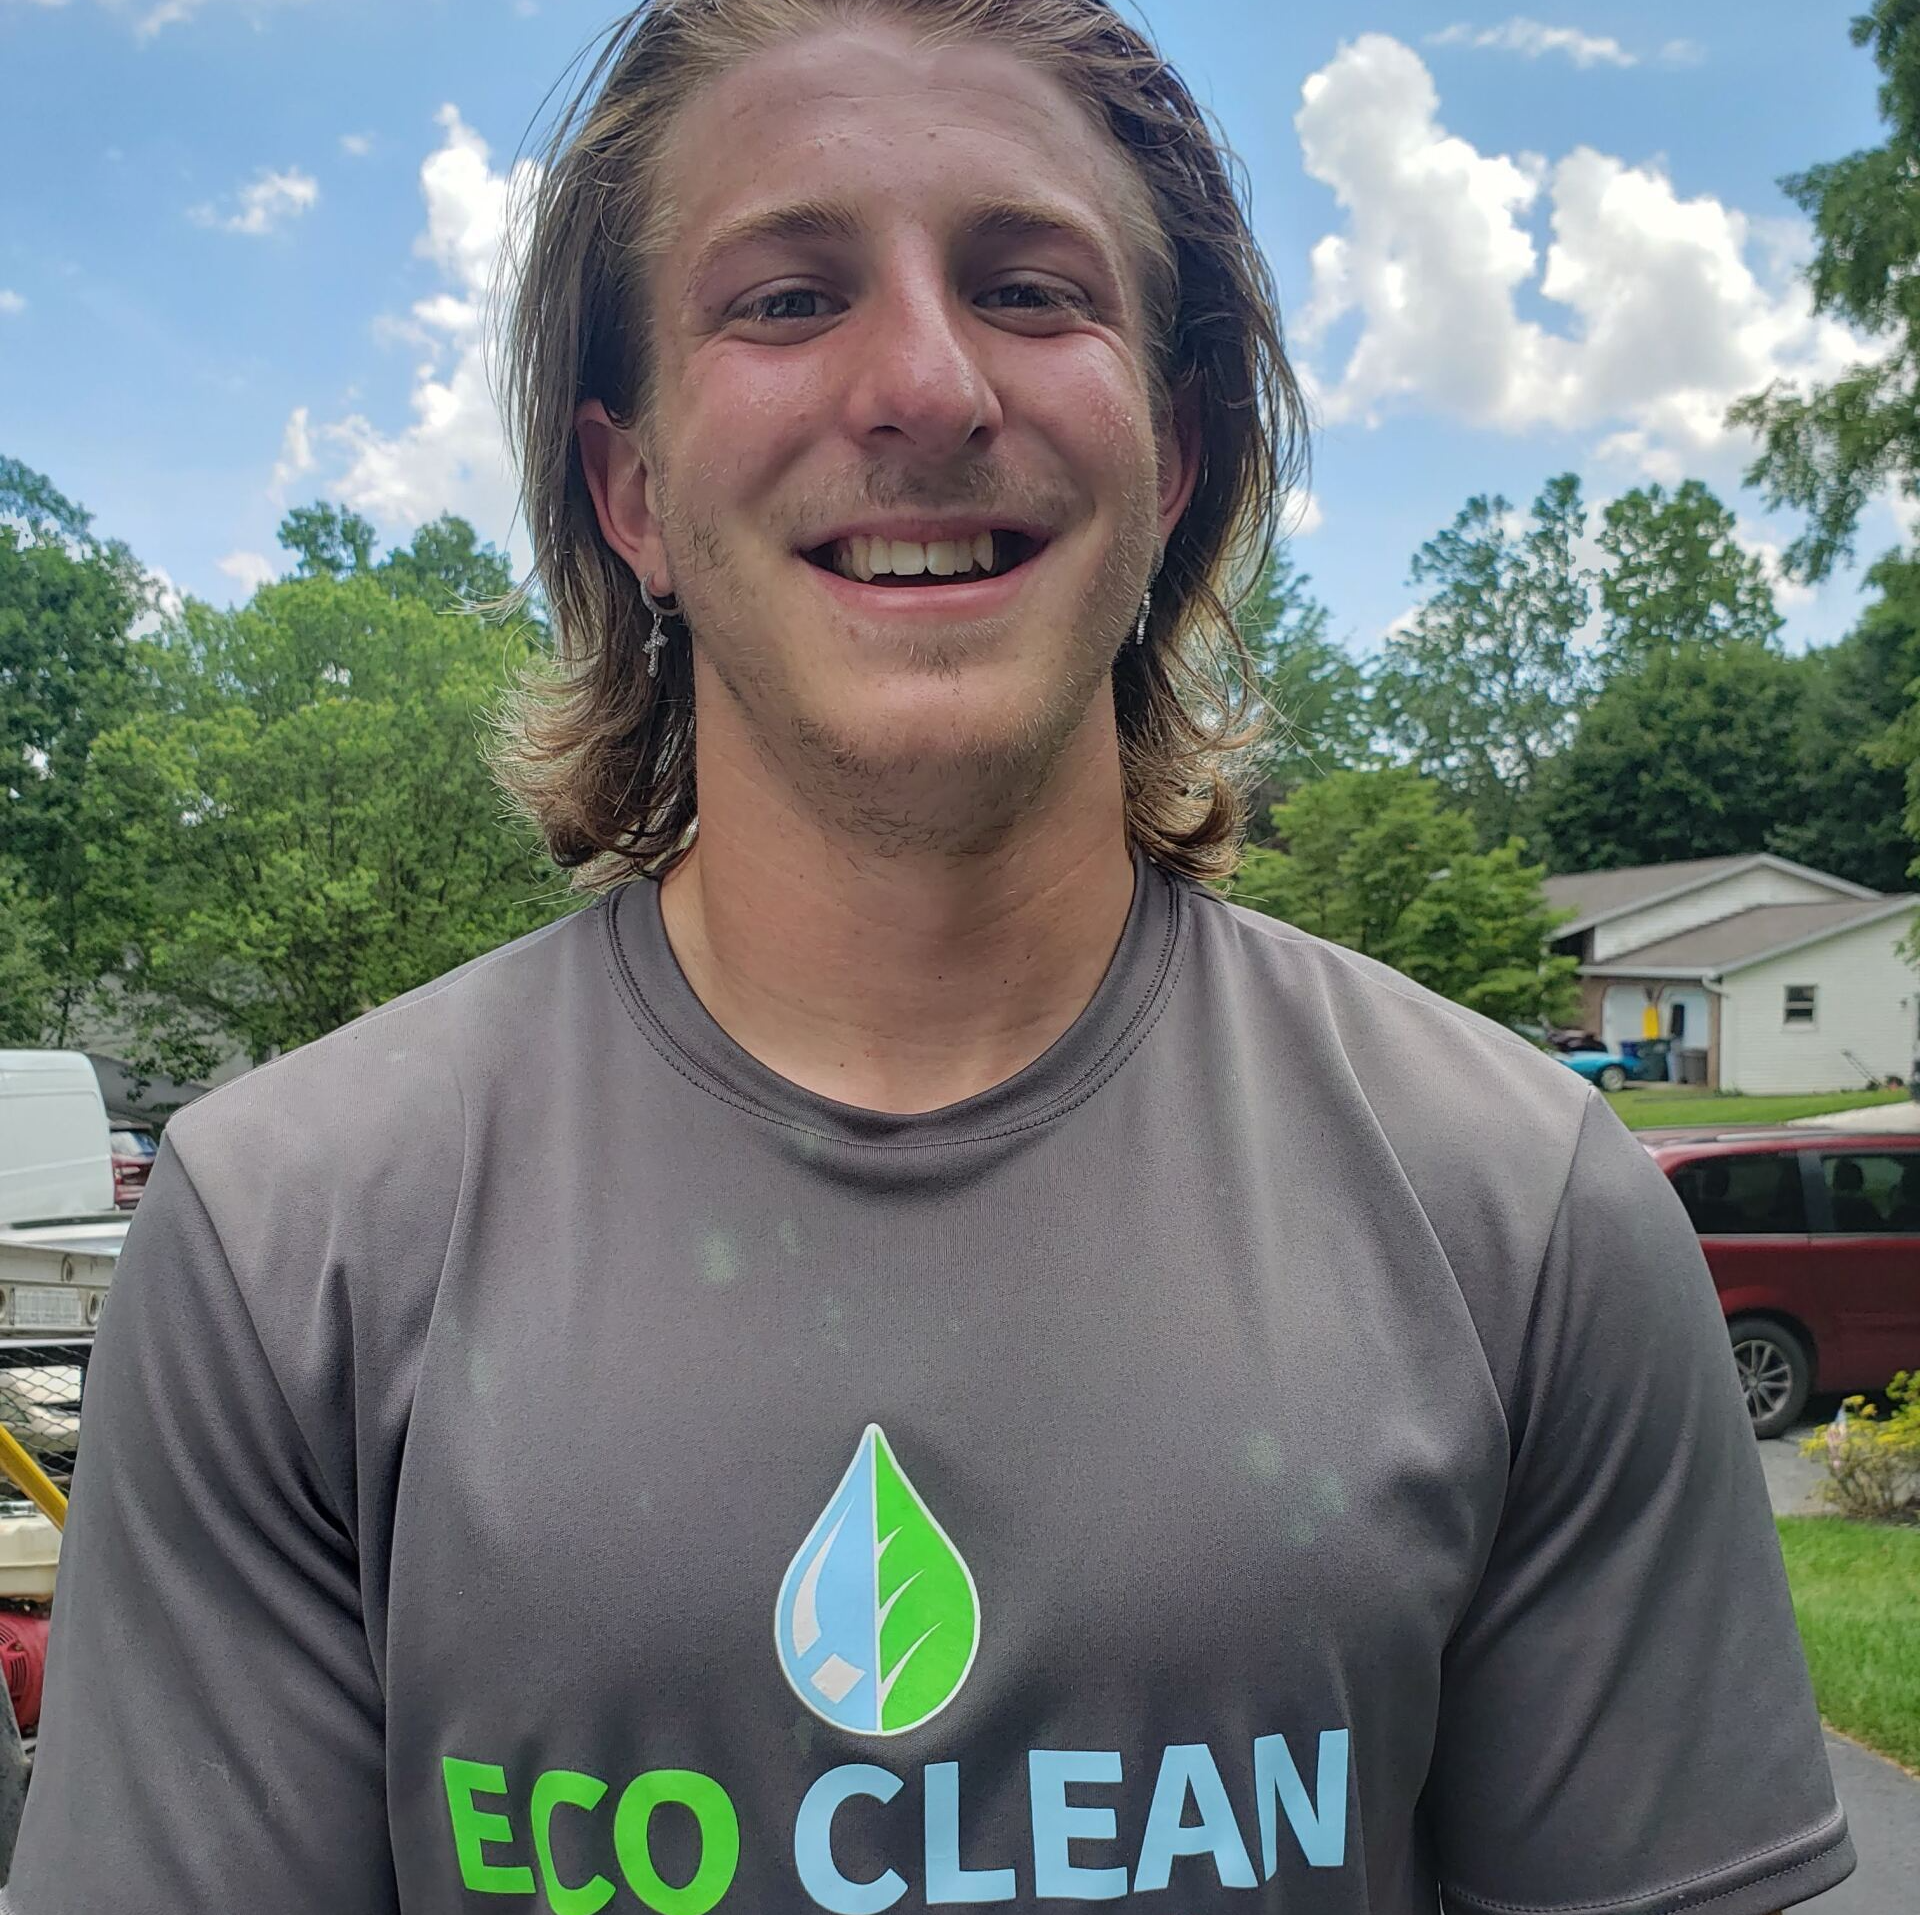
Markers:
point(865, 556)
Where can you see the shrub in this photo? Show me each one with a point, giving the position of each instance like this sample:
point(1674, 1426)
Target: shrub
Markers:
point(1873, 1463)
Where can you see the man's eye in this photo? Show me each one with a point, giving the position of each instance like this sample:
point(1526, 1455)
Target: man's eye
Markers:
point(776, 306)
point(1038, 297)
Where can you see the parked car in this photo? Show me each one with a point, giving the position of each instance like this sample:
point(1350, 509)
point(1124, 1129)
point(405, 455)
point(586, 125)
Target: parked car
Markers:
point(1813, 1238)
point(1608, 1069)
point(134, 1150)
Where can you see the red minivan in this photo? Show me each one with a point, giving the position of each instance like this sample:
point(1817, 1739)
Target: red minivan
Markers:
point(1813, 1238)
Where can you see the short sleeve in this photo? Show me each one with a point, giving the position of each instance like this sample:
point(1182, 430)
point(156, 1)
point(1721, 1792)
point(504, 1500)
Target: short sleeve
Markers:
point(1626, 1722)
point(212, 1730)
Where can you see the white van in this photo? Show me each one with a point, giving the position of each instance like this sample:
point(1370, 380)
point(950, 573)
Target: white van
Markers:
point(56, 1148)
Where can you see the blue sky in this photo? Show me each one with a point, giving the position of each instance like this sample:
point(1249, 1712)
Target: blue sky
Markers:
point(242, 243)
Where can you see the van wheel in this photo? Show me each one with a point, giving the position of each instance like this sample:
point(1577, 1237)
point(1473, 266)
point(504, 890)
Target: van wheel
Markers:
point(1776, 1372)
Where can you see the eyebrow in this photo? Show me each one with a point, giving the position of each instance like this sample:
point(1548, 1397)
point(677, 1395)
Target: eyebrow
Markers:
point(837, 220)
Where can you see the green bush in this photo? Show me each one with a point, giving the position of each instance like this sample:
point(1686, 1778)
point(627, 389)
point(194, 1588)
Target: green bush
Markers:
point(1873, 1463)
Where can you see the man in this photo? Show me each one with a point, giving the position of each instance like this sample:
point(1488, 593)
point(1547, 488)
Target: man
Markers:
point(911, 1355)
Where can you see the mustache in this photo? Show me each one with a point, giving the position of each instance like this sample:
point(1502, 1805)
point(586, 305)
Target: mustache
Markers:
point(989, 489)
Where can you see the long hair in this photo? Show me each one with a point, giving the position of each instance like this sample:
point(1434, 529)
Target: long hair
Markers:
point(600, 755)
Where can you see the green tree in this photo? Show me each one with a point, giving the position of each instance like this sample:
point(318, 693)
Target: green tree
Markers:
point(28, 999)
point(446, 565)
point(1851, 790)
point(327, 540)
point(309, 828)
point(1372, 860)
point(69, 668)
point(1827, 451)
point(1677, 575)
point(1692, 756)
point(1485, 682)
point(1314, 691)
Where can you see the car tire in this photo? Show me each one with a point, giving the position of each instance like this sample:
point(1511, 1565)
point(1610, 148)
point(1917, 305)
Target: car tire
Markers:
point(1612, 1078)
point(1775, 1370)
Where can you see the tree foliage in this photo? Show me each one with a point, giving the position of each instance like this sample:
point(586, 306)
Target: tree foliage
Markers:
point(1827, 451)
point(1484, 684)
point(308, 828)
point(69, 669)
point(1858, 745)
point(1314, 691)
point(1692, 756)
point(1374, 861)
point(1677, 575)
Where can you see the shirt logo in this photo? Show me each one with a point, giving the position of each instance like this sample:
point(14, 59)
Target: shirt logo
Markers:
point(878, 1618)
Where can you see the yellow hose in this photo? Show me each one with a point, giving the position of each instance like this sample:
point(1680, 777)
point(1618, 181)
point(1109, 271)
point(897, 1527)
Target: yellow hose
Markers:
point(27, 1475)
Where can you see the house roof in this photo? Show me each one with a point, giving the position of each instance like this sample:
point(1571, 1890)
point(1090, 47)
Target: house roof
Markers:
point(1761, 931)
point(1595, 896)
point(1599, 894)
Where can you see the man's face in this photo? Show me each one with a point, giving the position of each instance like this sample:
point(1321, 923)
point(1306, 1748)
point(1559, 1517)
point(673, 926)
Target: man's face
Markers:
point(939, 360)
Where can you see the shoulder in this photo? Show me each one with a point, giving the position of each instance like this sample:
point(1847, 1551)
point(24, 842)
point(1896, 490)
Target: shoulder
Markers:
point(1491, 1135)
point(370, 1124)
point(1424, 1055)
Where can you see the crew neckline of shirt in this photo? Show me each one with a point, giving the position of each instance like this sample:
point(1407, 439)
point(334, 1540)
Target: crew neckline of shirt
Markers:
point(1123, 1008)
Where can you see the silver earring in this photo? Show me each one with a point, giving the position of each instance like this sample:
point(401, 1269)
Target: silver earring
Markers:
point(658, 636)
point(1140, 630)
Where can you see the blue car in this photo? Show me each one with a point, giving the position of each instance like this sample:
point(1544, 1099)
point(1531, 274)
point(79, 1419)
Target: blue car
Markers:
point(1606, 1068)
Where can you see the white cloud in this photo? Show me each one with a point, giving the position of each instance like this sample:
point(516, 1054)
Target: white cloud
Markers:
point(250, 570)
point(1531, 39)
point(296, 454)
point(356, 145)
point(265, 203)
point(1682, 53)
point(1660, 316)
point(1301, 517)
point(11, 302)
point(451, 456)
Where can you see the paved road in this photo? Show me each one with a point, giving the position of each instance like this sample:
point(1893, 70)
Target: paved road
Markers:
point(1883, 1812)
point(1791, 1477)
point(1881, 1800)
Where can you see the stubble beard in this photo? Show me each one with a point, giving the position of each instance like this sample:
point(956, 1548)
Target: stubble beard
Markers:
point(964, 801)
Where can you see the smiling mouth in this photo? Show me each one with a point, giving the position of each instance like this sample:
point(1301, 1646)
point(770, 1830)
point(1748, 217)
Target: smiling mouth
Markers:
point(908, 565)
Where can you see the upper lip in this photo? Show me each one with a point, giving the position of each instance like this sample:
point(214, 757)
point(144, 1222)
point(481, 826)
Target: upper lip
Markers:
point(922, 531)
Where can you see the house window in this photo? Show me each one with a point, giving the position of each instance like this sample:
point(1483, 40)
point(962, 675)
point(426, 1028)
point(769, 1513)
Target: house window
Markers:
point(1799, 1004)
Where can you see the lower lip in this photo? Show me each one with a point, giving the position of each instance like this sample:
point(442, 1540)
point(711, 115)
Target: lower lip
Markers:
point(962, 598)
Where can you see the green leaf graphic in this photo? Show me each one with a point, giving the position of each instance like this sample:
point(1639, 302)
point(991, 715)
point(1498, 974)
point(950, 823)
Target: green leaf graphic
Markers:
point(928, 1610)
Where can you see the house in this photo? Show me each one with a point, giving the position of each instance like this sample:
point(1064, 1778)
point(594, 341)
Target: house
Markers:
point(1766, 975)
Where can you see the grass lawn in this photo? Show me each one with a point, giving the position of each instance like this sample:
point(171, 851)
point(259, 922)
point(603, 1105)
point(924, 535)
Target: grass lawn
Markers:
point(1854, 1595)
point(1653, 1106)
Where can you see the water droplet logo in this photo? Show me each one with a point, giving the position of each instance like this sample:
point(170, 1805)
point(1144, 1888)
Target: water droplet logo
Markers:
point(878, 1619)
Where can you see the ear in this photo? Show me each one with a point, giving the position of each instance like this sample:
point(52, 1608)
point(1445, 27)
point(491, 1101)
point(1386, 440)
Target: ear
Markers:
point(622, 486)
point(1179, 447)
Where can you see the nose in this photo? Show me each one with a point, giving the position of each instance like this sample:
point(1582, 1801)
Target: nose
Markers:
point(918, 373)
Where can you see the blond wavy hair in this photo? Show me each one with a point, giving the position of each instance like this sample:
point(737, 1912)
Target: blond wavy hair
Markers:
point(598, 754)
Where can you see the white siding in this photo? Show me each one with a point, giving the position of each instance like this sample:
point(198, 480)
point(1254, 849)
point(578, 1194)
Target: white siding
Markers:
point(1737, 892)
point(1868, 1002)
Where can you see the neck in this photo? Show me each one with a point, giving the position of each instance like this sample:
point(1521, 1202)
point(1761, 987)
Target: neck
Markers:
point(906, 980)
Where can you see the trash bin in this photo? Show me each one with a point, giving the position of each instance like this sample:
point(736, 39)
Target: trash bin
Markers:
point(1693, 1067)
point(1650, 1060)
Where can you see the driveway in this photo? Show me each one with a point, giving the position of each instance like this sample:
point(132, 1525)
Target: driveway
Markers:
point(1791, 1477)
point(1882, 1801)
point(1883, 1813)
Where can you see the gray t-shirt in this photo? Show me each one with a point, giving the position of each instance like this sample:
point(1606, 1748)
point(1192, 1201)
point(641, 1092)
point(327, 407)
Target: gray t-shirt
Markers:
point(1279, 1449)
